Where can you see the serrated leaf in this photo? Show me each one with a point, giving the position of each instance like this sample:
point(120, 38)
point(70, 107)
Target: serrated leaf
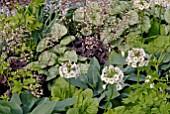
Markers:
point(73, 111)
point(133, 17)
point(145, 24)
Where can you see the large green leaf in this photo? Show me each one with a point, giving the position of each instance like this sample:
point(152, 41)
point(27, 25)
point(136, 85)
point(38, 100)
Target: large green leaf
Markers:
point(59, 49)
point(65, 103)
point(58, 31)
point(52, 72)
point(43, 44)
point(14, 108)
point(133, 17)
point(47, 58)
point(145, 24)
point(45, 108)
point(16, 99)
point(66, 40)
point(70, 55)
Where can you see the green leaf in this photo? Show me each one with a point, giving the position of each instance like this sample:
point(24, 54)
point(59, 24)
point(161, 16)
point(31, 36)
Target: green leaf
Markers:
point(4, 110)
point(58, 31)
point(45, 108)
point(16, 99)
point(133, 17)
point(145, 24)
point(73, 111)
point(14, 108)
point(154, 30)
point(65, 103)
point(27, 97)
point(167, 16)
point(43, 44)
point(59, 49)
point(106, 36)
point(52, 72)
point(71, 55)
point(79, 15)
point(66, 40)
point(47, 58)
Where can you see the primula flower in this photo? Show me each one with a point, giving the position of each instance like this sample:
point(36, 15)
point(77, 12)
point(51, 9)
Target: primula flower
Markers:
point(137, 58)
point(163, 3)
point(141, 4)
point(113, 75)
point(69, 70)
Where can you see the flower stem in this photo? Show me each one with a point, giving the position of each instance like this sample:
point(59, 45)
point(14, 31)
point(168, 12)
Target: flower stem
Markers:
point(107, 104)
point(138, 75)
point(69, 86)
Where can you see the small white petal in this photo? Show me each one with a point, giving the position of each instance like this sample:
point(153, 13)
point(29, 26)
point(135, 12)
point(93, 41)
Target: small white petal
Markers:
point(152, 85)
point(118, 86)
point(147, 81)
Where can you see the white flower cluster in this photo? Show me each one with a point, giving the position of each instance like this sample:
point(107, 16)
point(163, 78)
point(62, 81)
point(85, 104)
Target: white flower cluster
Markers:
point(137, 58)
point(69, 70)
point(113, 75)
point(141, 4)
point(163, 3)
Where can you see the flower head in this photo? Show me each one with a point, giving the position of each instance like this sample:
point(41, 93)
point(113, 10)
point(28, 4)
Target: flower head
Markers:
point(141, 4)
point(137, 58)
point(112, 75)
point(69, 70)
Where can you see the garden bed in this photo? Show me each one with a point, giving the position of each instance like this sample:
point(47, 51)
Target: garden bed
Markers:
point(85, 57)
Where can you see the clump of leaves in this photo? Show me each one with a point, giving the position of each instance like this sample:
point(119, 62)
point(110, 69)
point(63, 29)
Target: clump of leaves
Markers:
point(143, 99)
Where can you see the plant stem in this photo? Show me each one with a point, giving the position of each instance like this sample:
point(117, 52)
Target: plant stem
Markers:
point(69, 87)
point(107, 104)
point(138, 75)
point(141, 21)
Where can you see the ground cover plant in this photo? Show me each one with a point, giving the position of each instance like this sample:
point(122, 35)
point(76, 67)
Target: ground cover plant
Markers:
point(85, 57)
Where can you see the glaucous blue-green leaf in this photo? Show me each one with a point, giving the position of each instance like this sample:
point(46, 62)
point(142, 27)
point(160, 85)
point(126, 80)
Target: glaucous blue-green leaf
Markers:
point(44, 44)
point(167, 16)
point(66, 40)
point(115, 58)
point(59, 49)
point(14, 108)
point(58, 31)
point(71, 55)
point(16, 99)
point(145, 24)
point(52, 72)
point(84, 68)
point(45, 108)
point(166, 58)
point(73, 111)
point(47, 58)
point(78, 82)
point(65, 103)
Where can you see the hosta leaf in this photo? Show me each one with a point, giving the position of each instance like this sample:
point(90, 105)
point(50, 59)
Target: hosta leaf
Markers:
point(52, 72)
point(15, 98)
point(67, 102)
point(66, 40)
point(73, 111)
point(167, 16)
point(47, 58)
point(58, 31)
point(45, 108)
point(14, 108)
